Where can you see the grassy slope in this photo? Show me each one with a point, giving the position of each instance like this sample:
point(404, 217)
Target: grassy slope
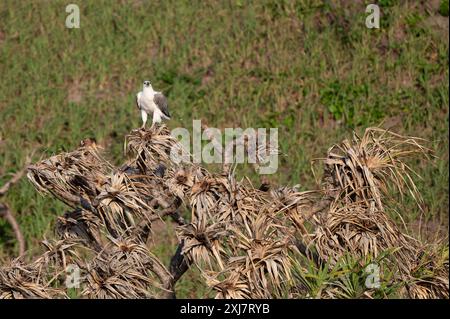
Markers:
point(310, 68)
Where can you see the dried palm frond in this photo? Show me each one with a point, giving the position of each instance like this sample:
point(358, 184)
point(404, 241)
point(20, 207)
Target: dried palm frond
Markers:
point(233, 286)
point(206, 193)
point(245, 203)
point(36, 280)
point(21, 281)
point(220, 198)
point(363, 168)
point(121, 202)
point(110, 278)
point(75, 178)
point(150, 147)
point(80, 224)
point(429, 274)
point(201, 244)
point(248, 244)
point(180, 180)
point(261, 250)
point(59, 254)
point(243, 240)
point(126, 270)
point(362, 231)
point(297, 206)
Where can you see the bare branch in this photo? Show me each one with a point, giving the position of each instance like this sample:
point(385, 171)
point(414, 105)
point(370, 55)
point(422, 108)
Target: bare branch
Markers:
point(6, 214)
point(16, 177)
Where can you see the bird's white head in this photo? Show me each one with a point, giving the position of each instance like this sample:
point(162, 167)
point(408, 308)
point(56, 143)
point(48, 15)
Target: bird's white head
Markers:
point(147, 85)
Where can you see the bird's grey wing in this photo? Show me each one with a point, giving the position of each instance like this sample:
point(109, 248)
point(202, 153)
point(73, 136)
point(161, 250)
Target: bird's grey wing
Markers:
point(138, 97)
point(161, 102)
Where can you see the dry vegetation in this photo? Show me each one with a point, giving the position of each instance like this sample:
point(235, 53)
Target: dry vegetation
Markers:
point(247, 242)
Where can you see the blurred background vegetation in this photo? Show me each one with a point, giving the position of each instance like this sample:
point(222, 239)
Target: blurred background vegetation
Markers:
point(309, 67)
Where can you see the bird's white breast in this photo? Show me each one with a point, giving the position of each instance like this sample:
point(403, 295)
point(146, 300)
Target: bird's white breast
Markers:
point(146, 101)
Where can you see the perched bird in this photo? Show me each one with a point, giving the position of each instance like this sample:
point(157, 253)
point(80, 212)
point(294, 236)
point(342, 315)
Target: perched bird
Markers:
point(150, 101)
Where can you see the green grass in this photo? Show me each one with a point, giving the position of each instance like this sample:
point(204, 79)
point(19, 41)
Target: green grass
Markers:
point(444, 7)
point(308, 67)
point(348, 279)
